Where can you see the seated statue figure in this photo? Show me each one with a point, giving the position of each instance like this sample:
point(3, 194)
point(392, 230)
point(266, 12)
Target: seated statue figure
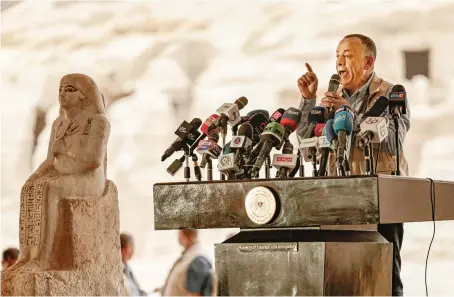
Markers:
point(75, 167)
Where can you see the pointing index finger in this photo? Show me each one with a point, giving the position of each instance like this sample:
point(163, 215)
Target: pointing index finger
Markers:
point(309, 68)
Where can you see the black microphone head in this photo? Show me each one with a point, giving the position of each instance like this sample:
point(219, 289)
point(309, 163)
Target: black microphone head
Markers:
point(334, 83)
point(291, 118)
point(379, 107)
point(241, 102)
point(258, 122)
point(196, 123)
point(398, 88)
point(317, 115)
point(255, 111)
point(246, 130)
point(276, 116)
point(213, 136)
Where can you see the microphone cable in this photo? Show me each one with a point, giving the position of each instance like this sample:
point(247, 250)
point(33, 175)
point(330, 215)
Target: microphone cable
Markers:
point(432, 203)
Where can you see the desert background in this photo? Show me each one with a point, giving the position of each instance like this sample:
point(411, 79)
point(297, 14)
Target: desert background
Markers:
point(161, 62)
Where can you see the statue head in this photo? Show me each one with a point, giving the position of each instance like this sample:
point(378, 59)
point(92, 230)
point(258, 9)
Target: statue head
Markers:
point(79, 91)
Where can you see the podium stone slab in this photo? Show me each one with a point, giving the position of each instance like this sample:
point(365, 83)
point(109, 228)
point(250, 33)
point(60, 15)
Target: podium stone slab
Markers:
point(304, 263)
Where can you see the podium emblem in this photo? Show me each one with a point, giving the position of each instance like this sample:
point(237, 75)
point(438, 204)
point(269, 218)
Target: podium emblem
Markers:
point(260, 205)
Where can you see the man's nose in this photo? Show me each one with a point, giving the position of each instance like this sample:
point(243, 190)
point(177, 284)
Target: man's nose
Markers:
point(340, 61)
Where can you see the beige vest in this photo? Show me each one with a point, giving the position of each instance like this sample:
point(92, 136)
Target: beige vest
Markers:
point(176, 280)
point(387, 161)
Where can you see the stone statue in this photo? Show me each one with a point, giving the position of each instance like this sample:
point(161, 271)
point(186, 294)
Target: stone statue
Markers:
point(69, 217)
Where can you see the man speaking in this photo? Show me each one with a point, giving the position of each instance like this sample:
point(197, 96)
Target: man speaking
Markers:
point(360, 87)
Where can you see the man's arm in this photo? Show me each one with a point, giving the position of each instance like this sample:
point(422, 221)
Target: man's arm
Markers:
point(389, 144)
point(305, 106)
point(198, 278)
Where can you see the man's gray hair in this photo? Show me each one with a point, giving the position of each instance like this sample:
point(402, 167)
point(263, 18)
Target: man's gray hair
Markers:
point(369, 44)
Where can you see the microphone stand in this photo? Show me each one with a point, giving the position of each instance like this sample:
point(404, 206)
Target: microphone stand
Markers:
point(367, 156)
point(371, 158)
point(209, 170)
point(267, 166)
point(187, 170)
point(197, 171)
point(340, 165)
point(313, 152)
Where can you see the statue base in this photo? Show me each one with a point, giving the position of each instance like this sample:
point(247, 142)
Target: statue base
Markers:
point(85, 258)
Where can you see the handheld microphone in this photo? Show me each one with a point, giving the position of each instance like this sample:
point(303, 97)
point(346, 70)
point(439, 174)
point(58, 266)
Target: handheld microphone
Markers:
point(334, 83)
point(316, 116)
point(187, 134)
point(209, 149)
point(397, 101)
point(230, 113)
point(343, 126)
point(272, 136)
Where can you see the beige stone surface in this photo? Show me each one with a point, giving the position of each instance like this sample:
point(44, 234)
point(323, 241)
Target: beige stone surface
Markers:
point(69, 215)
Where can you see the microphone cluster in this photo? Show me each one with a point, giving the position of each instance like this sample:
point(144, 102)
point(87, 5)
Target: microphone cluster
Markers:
point(329, 137)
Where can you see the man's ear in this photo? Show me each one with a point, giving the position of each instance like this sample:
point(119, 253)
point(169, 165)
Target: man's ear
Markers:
point(369, 62)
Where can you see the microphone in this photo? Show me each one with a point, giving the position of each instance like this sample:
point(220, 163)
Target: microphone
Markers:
point(187, 134)
point(272, 136)
point(377, 109)
point(242, 141)
point(343, 126)
point(290, 121)
point(286, 161)
point(316, 116)
point(246, 118)
point(276, 116)
point(397, 101)
point(373, 130)
point(228, 112)
point(210, 120)
point(258, 122)
point(256, 111)
point(334, 83)
point(176, 165)
point(318, 130)
point(226, 163)
point(209, 149)
point(330, 139)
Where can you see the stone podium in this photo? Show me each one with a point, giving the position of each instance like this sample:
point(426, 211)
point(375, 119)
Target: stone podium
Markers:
point(69, 216)
point(283, 247)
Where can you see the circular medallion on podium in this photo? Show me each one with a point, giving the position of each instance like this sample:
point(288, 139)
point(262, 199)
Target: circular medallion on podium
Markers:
point(261, 205)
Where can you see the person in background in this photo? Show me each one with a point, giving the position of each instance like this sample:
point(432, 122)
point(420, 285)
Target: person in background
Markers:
point(10, 256)
point(127, 250)
point(192, 274)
